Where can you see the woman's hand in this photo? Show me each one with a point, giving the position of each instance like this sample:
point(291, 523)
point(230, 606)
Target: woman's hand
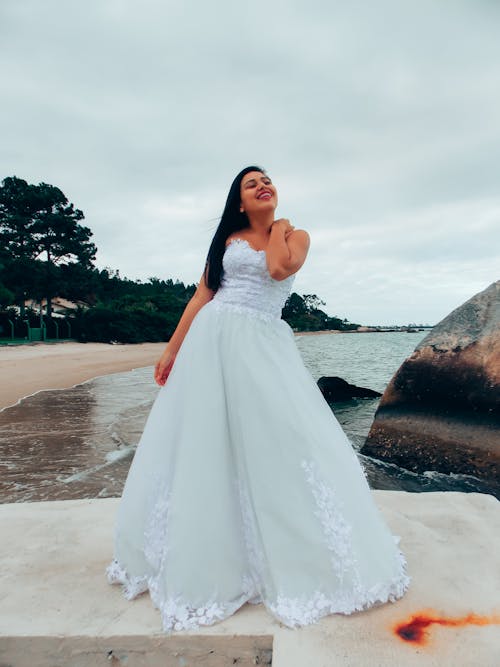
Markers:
point(284, 225)
point(164, 366)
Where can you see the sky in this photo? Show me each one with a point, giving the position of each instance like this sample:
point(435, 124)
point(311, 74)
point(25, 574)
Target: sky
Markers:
point(378, 122)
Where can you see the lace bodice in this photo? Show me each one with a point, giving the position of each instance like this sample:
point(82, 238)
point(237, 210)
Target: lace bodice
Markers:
point(246, 284)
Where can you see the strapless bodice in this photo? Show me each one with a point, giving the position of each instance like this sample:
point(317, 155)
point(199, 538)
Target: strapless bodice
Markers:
point(247, 285)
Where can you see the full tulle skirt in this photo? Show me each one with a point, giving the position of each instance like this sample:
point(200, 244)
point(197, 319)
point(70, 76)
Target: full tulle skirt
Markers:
point(244, 487)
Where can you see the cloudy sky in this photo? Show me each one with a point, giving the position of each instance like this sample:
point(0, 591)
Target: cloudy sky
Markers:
point(379, 123)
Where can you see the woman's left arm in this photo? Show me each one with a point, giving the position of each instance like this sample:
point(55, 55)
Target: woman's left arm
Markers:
point(287, 249)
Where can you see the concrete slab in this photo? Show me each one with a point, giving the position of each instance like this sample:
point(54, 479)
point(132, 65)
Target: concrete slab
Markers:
point(57, 609)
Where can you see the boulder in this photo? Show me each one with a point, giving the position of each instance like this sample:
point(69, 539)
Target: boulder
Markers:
point(441, 410)
point(336, 389)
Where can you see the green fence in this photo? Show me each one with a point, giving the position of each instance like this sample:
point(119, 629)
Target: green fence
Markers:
point(21, 331)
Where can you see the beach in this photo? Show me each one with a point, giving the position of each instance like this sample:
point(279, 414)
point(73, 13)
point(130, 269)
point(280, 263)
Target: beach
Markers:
point(86, 406)
point(26, 369)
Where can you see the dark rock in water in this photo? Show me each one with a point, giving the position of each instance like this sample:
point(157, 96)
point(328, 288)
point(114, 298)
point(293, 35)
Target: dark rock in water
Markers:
point(441, 410)
point(336, 389)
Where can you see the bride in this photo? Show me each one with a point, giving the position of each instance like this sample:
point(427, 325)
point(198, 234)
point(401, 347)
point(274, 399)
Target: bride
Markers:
point(244, 487)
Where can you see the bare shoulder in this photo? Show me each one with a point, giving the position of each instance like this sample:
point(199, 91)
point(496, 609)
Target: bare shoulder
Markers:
point(301, 237)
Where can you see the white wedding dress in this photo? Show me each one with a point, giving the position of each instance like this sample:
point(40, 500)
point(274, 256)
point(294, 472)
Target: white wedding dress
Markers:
point(244, 486)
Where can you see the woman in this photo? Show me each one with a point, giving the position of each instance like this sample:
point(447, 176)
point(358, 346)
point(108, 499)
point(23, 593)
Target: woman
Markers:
point(244, 487)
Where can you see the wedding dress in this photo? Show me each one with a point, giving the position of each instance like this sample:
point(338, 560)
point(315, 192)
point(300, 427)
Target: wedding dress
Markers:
point(244, 487)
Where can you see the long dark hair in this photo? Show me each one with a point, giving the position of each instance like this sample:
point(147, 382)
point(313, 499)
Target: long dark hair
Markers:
point(232, 220)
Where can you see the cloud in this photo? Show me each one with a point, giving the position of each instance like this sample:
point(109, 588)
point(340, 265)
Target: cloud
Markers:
point(377, 121)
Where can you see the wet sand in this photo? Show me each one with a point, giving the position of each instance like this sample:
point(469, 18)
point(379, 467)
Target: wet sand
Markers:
point(26, 369)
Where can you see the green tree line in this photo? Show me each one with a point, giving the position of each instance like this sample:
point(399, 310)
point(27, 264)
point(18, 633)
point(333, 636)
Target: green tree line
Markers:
point(46, 252)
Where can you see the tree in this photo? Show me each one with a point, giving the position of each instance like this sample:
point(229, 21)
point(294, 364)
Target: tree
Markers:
point(38, 222)
point(24, 278)
point(313, 302)
point(6, 296)
point(18, 204)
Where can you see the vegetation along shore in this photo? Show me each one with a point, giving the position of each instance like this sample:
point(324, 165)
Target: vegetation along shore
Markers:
point(51, 289)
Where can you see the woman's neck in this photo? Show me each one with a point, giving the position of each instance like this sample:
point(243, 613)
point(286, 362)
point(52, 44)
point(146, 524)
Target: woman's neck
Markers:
point(261, 225)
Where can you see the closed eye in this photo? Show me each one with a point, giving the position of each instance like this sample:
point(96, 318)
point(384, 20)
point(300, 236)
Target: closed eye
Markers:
point(251, 183)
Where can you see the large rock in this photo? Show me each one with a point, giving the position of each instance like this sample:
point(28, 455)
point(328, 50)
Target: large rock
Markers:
point(441, 410)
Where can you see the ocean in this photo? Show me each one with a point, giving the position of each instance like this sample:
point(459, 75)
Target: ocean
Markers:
point(79, 442)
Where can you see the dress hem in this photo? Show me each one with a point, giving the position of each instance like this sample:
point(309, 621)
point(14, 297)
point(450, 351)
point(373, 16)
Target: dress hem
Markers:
point(177, 615)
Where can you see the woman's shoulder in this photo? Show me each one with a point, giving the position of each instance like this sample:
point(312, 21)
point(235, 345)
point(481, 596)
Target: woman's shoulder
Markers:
point(300, 235)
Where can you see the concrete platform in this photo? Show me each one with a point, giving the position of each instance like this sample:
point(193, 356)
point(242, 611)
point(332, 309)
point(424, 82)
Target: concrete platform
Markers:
point(57, 609)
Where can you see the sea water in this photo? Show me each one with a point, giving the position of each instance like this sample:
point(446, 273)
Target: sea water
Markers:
point(79, 442)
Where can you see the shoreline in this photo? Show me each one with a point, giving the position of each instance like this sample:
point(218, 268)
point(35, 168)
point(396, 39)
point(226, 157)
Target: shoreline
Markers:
point(28, 369)
point(32, 367)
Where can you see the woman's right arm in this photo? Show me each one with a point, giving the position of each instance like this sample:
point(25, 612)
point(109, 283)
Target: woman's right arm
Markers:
point(286, 250)
point(164, 365)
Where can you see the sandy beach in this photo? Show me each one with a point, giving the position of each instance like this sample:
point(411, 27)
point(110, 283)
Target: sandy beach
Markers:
point(26, 369)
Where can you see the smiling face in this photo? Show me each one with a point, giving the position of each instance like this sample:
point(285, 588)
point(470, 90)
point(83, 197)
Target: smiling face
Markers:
point(257, 193)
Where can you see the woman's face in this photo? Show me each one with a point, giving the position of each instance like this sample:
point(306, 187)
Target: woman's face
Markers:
point(257, 193)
